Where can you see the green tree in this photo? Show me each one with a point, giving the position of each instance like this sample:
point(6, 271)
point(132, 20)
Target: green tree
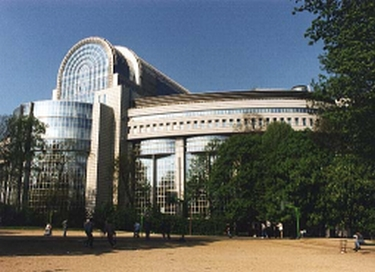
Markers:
point(346, 28)
point(294, 166)
point(24, 138)
point(235, 174)
point(349, 194)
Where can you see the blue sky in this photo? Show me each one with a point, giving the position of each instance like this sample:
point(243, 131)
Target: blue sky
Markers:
point(205, 45)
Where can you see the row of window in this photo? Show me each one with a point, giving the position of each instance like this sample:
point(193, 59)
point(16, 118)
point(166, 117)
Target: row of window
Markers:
point(67, 122)
point(252, 123)
point(224, 112)
point(63, 109)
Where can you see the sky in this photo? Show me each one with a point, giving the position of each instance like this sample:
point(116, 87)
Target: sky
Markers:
point(204, 45)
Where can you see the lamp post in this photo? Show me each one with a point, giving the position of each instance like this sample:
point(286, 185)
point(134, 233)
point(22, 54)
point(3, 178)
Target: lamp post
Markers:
point(297, 214)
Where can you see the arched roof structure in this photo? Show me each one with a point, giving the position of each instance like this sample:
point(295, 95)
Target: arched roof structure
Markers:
point(90, 64)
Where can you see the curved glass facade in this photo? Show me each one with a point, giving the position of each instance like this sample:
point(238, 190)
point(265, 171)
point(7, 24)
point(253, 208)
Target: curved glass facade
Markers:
point(59, 171)
point(86, 71)
point(65, 119)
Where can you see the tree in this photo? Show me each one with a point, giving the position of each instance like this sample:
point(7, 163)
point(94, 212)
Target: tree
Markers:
point(3, 175)
point(347, 30)
point(24, 138)
point(235, 174)
point(349, 194)
point(295, 165)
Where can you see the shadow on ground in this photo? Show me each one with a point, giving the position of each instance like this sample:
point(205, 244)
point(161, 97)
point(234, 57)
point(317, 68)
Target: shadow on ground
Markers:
point(54, 246)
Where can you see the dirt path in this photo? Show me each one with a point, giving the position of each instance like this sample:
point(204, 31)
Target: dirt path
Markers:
point(30, 251)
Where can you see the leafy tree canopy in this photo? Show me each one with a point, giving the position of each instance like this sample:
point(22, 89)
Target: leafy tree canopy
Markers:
point(347, 30)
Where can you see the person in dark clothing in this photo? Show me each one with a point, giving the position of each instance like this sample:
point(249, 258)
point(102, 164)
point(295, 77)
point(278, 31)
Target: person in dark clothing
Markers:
point(65, 227)
point(137, 229)
point(228, 230)
point(89, 227)
point(147, 226)
point(166, 229)
point(111, 233)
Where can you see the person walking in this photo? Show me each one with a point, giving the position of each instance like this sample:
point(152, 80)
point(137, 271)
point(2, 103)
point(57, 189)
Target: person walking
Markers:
point(65, 227)
point(137, 229)
point(166, 229)
point(111, 233)
point(89, 227)
point(228, 230)
point(280, 229)
point(358, 240)
point(48, 230)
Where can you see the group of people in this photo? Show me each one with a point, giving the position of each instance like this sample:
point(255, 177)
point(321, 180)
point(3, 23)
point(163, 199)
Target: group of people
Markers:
point(165, 229)
point(269, 229)
point(108, 230)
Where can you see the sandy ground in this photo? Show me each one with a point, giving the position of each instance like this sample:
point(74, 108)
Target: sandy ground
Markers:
point(25, 250)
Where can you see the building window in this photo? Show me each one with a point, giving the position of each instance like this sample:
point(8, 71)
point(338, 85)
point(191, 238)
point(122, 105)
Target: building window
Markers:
point(267, 121)
point(260, 122)
point(202, 124)
point(217, 123)
point(253, 123)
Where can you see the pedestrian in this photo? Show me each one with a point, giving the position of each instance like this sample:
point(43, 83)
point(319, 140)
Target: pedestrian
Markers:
point(48, 230)
point(228, 230)
point(268, 229)
point(166, 229)
point(137, 229)
point(65, 227)
point(280, 228)
point(358, 241)
point(263, 230)
point(111, 233)
point(147, 224)
point(89, 227)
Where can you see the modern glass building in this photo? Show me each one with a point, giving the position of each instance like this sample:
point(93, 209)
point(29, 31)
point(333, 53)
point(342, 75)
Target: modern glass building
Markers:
point(135, 132)
point(58, 176)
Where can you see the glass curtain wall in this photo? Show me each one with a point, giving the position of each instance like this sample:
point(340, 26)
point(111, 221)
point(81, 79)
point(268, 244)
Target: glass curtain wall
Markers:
point(58, 176)
point(200, 155)
point(155, 175)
